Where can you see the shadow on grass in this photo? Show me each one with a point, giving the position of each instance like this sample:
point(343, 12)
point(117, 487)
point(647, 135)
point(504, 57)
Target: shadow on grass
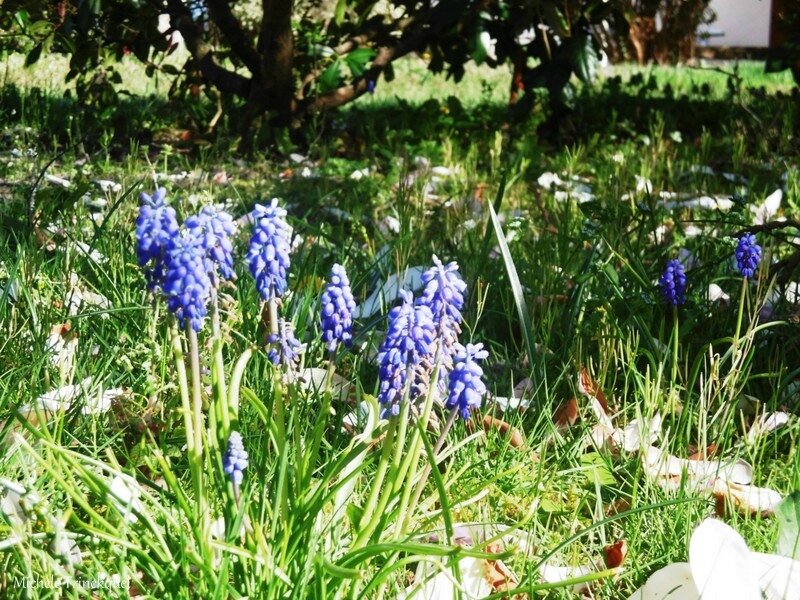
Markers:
point(382, 129)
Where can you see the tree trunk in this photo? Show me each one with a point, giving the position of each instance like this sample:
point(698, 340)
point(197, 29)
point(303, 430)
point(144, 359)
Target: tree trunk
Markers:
point(276, 48)
point(642, 31)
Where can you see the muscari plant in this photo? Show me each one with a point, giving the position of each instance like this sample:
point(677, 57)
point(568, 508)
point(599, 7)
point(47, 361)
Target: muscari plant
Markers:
point(421, 366)
point(672, 284)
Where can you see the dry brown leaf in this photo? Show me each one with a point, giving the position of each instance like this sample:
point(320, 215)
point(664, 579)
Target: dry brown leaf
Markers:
point(567, 414)
point(515, 436)
point(615, 554)
point(589, 387)
point(710, 452)
point(745, 499)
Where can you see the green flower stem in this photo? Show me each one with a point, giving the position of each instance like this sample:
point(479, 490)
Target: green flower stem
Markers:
point(273, 315)
point(394, 470)
point(197, 413)
point(218, 371)
point(408, 474)
point(370, 518)
point(675, 340)
point(409, 510)
point(183, 384)
point(236, 383)
point(739, 319)
point(319, 427)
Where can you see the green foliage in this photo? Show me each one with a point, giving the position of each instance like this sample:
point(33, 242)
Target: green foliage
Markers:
point(315, 58)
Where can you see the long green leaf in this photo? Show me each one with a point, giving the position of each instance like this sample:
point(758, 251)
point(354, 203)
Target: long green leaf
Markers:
point(516, 286)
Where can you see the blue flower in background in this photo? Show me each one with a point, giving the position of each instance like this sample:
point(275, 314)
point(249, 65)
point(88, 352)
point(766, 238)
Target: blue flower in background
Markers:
point(187, 285)
point(405, 351)
point(285, 346)
point(214, 230)
point(337, 310)
point(466, 387)
point(673, 283)
point(268, 255)
point(234, 462)
point(748, 255)
point(156, 230)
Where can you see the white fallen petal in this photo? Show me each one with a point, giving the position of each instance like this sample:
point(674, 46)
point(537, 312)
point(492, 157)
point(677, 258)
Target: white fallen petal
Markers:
point(720, 563)
point(673, 582)
point(94, 255)
point(747, 499)
point(438, 582)
point(389, 225)
point(668, 471)
point(441, 171)
point(722, 203)
point(16, 502)
point(643, 185)
point(778, 576)
point(766, 423)
point(55, 180)
point(62, 347)
point(715, 293)
point(688, 259)
point(505, 404)
point(106, 185)
point(389, 291)
point(64, 545)
point(548, 180)
point(359, 174)
point(767, 210)
point(125, 493)
point(313, 379)
point(702, 170)
point(792, 293)
point(554, 574)
point(692, 230)
point(95, 400)
point(639, 433)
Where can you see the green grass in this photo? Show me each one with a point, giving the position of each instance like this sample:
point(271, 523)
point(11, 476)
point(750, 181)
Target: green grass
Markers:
point(587, 288)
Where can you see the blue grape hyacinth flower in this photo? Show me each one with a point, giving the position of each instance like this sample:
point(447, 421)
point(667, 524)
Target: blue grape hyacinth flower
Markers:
point(673, 283)
point(405, 352)
point(268, 256)
point(214, 229)
point(156, 230)
point(466, 387)
point(187, 286)
point(748, 255)
point(338, 305)
point(443, 294)
point(234, 462)
point(285, 346)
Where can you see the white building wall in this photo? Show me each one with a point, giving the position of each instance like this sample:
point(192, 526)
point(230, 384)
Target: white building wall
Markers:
point(741, 23)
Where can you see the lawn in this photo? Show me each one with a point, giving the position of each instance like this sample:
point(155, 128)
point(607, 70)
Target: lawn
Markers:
point(597, 386)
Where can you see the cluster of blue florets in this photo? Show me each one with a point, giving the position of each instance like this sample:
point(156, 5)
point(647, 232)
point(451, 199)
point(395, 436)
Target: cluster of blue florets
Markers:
point(748, 255)
point(235, 459)
point(183, 261)
point(338, 305)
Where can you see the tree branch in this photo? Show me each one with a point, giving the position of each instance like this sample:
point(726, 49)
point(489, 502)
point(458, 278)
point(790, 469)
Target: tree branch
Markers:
point(346, 93)
point(221, 78)
point(230, 27)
